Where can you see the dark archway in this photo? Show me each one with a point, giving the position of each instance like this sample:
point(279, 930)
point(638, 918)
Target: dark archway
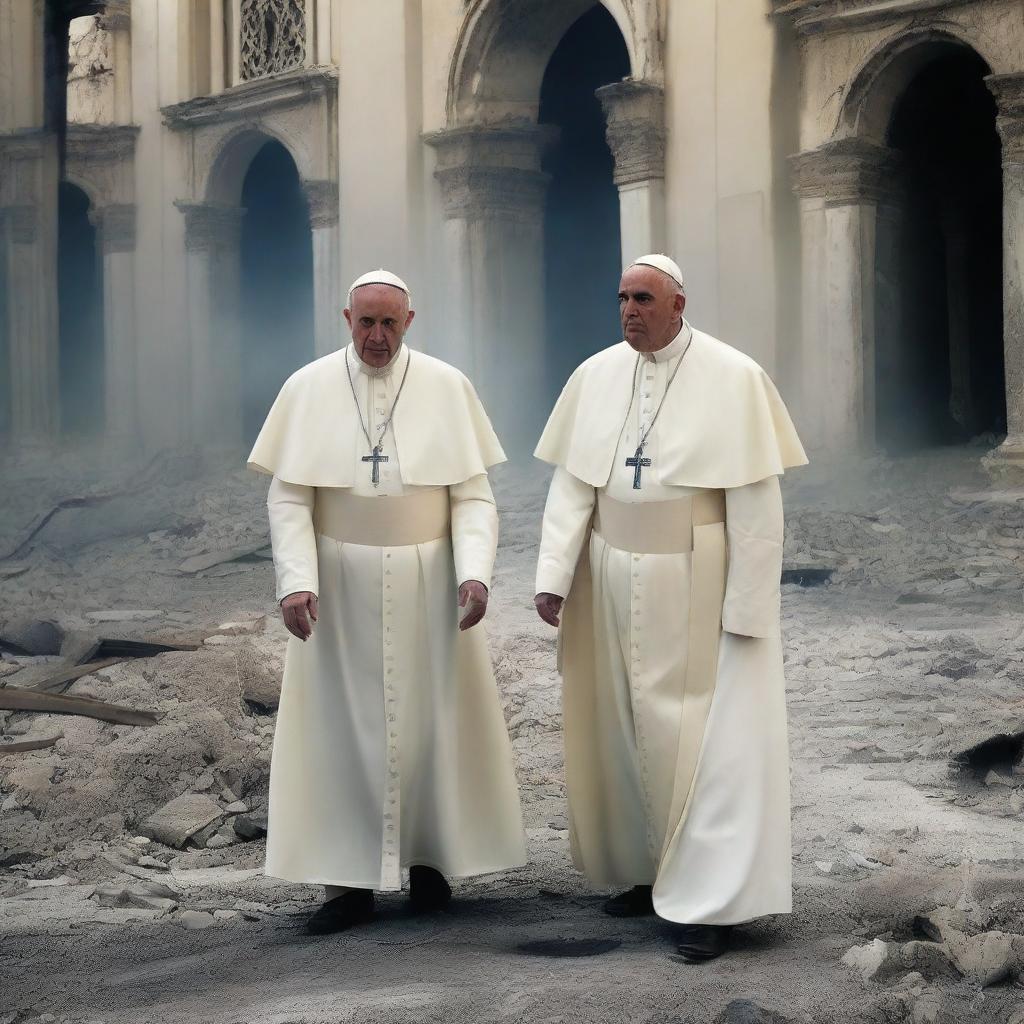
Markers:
point(276, 282)
point(80, 310)
point(582, 246)
point(940, 373)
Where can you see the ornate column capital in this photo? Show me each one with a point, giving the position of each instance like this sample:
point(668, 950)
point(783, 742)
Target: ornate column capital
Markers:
point(847, 172)
point(211, 226)
point(1009, 93)
point(117, 16)
point(115, 227)
point(635, 129)
point(322, 198)
point(493, 173)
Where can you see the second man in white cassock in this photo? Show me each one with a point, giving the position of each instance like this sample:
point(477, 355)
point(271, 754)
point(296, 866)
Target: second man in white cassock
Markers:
point(391, 751)
point(663, 537)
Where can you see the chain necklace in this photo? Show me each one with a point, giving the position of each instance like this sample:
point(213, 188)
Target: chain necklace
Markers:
point(375, 457)
point(638, 463)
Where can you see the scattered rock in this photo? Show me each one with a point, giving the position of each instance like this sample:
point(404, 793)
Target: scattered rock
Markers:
point(237, 807)
point(46, 883)
point(869, 960)
point(825, 866)
point(986, 959)
point(216, 842)
point(251, 826)
point(995, 779)
point(176, 822)
point(135, 898)
point(152, 862)
point(36, 637)
point(195, 920)
point(243, 628)
point(941, 924)
point(743, 1011)
point(226, 915)
point(930, 959)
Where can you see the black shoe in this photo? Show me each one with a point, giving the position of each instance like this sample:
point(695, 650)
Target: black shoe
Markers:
point(428, 889)
point(638, 902)
point(701, 942)
point(350, 908)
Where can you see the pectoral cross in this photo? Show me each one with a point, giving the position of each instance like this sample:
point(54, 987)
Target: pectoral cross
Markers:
point(376, 458)
point(638, 464)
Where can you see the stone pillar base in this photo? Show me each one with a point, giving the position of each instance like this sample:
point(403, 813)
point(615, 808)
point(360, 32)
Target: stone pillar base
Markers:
point(1005, 464)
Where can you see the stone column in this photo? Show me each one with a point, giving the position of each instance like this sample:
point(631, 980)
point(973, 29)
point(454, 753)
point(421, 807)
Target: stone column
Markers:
point(28, 186)
point(491, 275)
point(117, 20)
point(840, 187)
point(213, 270)
point(635, 115)
point(116, 242)
point(1009, 93)
point(328, 301)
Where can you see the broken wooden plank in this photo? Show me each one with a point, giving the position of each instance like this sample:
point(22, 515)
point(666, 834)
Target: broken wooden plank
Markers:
point(58, 682)
point(12, 699)
point(125, 649)
point(23, 746)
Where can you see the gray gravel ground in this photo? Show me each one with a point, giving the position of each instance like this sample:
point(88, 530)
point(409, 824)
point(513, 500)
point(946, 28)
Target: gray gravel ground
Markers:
point(909, 656)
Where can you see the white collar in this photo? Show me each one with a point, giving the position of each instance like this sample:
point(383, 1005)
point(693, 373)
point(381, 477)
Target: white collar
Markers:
point(676, 347)
point(375, 371)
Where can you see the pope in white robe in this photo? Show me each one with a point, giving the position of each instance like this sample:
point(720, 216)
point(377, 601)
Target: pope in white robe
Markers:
point(663, 535)
point(391, 750)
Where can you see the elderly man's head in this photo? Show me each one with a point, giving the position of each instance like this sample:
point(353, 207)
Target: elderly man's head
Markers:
point(651, 304)
point(378, 315)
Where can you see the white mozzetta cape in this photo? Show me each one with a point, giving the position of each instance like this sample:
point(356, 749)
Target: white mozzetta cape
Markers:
point(312, 429)
point(729, 425)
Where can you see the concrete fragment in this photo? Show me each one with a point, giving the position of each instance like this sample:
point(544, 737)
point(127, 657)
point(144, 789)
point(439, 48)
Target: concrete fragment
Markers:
point(119, 897)
point(986, 959)
point(242, 628)
point(929, 959)
point(995, 779)
point(196, 920)
point(744, 1011)
point(869, 959)
point(942, 923)
point(251, 826)
point(46, 883)
point(180, 819)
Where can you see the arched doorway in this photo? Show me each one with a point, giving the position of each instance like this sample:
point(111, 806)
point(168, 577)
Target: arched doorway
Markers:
point(80, 310)
point(940, 373)
point(276, 290)
point(582, 249)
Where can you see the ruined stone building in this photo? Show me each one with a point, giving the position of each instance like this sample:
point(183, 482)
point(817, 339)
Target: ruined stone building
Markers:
point(841, 180)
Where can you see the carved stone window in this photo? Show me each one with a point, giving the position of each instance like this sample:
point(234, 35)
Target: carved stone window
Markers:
point(273, 36)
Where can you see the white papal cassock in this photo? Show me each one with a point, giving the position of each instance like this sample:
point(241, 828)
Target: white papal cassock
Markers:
point(391, 748)
point(674, 705)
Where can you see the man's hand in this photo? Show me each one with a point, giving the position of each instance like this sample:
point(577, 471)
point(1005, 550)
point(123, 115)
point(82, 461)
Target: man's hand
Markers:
point(474, 594)
point(298, 610)
point(548, 607)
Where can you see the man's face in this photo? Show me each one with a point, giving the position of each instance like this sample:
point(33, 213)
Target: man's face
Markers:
point(651, 308)
point(379, 317)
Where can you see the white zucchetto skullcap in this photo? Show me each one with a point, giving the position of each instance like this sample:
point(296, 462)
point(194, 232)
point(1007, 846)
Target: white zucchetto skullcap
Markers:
point(662, 263)
point(381, 276)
